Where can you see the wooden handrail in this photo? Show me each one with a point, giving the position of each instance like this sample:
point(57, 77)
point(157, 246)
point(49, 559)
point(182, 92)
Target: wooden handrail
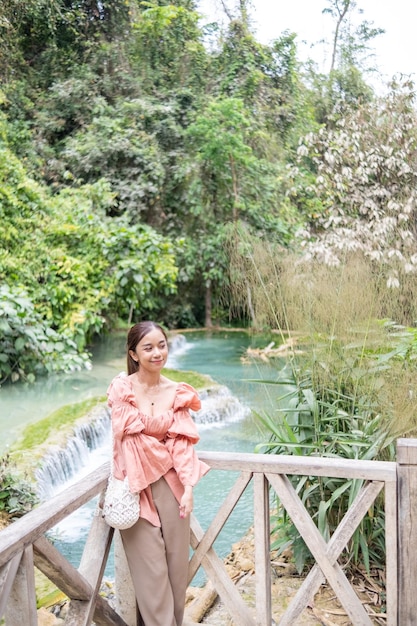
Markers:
point(301, 465)
point(33, 525)
point(23, 544)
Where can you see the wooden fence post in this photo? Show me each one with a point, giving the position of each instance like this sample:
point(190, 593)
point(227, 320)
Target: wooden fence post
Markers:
point(21, 607)
point(407, 531)
point(125, 593)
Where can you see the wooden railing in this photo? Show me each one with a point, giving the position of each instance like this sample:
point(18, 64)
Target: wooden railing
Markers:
point(23, 544)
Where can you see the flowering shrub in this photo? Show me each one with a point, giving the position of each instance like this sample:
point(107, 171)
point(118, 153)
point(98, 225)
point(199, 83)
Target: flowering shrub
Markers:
point(366, 180)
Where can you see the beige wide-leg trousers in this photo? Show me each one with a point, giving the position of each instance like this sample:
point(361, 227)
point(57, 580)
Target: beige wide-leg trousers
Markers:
point(158, 560)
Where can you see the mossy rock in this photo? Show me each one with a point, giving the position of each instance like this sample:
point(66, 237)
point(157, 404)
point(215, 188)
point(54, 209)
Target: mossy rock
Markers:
point(53, 430)
point(196, 380)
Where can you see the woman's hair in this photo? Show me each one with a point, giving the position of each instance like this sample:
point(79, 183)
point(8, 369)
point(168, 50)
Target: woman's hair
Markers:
point(134, 336)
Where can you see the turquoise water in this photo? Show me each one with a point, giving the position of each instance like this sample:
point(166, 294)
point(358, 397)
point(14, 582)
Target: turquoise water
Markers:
point(217, 354)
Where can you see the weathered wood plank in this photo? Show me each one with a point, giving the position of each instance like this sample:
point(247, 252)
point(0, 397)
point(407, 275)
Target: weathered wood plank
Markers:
point(336, 544)
point(317, 545)
point(104, 615)
point(21, 607)
point(391, 552)
point(51, 563)
point(301, 466)
point(218, 522)
point(92, 566)
point(123, 585)
point(7, 576)
point(407, 530)
point(26, 530)
point(262, 551)
point(27, 560)
point(30, 530)
point(55, 567)
point(218, 575)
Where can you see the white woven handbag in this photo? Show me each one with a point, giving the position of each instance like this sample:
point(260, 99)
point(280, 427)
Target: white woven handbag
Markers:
point(121, 507)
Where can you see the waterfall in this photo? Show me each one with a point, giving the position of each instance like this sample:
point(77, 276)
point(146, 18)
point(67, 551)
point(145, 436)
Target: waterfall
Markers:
point(90, 444)
point(178, 346)
point(219, 407)
point(85, 449)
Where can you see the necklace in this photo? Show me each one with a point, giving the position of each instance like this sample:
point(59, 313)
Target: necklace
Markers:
point(151, 391)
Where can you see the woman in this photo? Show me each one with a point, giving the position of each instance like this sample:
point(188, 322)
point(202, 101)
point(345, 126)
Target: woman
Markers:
point(154, 437)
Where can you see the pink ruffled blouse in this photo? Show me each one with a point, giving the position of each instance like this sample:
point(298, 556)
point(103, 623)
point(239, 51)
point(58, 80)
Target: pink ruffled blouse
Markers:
point(149, 447)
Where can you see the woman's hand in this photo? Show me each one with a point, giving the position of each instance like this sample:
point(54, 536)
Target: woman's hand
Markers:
point(187, 501)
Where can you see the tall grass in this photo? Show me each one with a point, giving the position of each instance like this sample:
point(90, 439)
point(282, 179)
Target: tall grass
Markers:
point(354, 383)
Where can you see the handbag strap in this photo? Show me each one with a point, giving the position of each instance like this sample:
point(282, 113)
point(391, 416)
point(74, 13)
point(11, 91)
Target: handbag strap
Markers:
point(112, 448)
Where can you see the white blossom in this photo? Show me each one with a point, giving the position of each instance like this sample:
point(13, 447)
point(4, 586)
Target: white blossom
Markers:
point(393, 282)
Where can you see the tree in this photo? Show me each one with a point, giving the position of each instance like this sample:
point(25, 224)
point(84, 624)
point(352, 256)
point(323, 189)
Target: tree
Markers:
point(349, 46)
point(345, 85)
point(366, 180)
point(67, 270)
point(229, 185)
point(43, 37)
point(166, 47)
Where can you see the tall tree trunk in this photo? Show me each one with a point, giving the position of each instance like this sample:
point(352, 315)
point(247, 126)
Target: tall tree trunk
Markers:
point(235, 188)
point(131, 309)
point(208, 321)
point(226, 10)
point(341, 16)
point(250, 305)
point(244, 12)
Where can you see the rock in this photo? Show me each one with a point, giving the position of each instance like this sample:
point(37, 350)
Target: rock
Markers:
point(45, 618)
point(245, 564)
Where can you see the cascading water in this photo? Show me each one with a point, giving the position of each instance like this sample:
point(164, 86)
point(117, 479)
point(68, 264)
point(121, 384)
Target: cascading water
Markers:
point(81, 455)
point(90, 444)
point(219, 407)
point(222, 425)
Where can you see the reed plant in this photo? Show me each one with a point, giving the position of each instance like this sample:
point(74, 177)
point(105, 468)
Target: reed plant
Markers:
point(351, 381)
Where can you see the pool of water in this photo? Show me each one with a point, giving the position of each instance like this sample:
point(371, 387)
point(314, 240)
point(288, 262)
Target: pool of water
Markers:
point(220, 355)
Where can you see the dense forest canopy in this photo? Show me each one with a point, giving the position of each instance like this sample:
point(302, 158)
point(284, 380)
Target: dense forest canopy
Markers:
point(144, 156)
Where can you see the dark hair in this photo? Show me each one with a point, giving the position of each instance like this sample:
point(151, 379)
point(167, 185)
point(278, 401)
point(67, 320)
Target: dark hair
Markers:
point(134, 336)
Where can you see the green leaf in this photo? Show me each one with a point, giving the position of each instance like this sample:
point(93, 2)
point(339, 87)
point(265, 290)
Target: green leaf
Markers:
point(19, 344)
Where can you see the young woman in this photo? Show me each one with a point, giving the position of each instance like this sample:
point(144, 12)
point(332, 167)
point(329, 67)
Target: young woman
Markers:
point(154, 437)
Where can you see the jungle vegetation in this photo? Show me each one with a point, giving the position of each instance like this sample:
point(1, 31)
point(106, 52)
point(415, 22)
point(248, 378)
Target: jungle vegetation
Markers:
point(152, 165)
point(140, 148)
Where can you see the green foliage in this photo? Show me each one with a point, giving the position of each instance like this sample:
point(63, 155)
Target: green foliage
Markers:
point(144, 268)
point(121, 145)
point(72, 269)
point(28, 345)
point(343, 404)
point(16, 494)
point(45, 37)
point(166, 46)
point(350, 44)
point(127, 121)
point(265, 78)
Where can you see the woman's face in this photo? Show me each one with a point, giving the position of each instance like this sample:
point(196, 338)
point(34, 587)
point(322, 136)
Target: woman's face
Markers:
point(152, 351)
